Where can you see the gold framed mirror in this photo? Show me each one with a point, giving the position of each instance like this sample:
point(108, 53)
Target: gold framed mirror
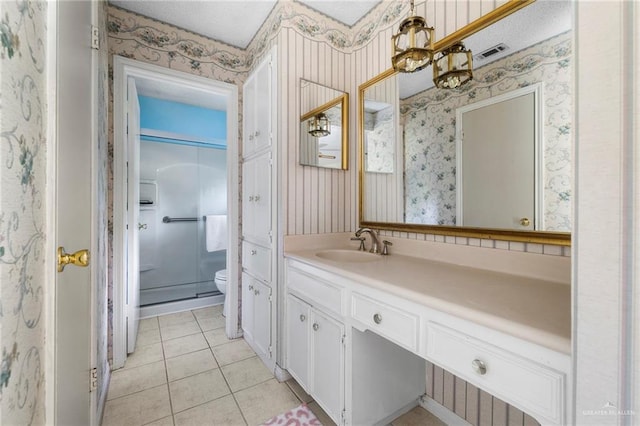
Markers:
point(423, 189)
point(324, 126)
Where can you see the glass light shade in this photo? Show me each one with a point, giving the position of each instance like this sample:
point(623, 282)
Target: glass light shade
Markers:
point(412, 46)
point(454, 68)
point(319, 125)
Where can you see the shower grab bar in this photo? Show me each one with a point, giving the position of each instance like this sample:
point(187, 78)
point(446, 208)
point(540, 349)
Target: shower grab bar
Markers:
point(168, 219)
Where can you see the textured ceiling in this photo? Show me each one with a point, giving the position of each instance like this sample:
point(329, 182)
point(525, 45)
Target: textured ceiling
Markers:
point(235, 22)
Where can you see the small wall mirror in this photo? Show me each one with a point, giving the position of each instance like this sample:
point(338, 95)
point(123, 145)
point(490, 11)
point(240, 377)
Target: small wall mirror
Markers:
point(324, 126)
point(491, 159)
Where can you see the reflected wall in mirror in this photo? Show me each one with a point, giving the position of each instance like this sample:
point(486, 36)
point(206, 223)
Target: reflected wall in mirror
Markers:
point(324, 126)
point(534, 49)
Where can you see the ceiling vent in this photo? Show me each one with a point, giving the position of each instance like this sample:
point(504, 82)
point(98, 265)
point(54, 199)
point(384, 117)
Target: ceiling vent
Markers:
point(490, 52)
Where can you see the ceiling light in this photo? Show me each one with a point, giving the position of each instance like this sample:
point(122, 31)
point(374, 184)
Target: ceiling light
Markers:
point(413, 45)
point(453, 68)
point(319, 125)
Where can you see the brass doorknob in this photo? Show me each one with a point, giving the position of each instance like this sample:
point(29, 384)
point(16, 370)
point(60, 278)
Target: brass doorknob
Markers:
point(79, 258)
point(525, 221)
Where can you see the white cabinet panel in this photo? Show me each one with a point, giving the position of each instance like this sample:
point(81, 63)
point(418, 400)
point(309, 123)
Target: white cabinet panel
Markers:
point(256, 260)
point(258, 93)
point(247, 306)
point(262, 317)
point(327, 363)
point(298, 340)
point(256, 199)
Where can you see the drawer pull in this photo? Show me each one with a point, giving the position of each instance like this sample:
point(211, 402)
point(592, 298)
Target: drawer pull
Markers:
point(250, 288)
point(377, 318)
point(256, 292)
point(302, 318)
point(479, 367)
point(253, 252)
point(315, 326)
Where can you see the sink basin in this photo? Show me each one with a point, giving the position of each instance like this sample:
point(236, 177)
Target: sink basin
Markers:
point(352, 256)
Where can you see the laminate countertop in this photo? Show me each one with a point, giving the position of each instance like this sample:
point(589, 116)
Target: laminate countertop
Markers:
point(533, 309)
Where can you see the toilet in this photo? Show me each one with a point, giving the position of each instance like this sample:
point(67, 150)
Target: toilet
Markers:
point(221, 282)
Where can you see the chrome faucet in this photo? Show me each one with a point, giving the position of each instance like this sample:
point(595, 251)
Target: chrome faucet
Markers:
point(375, 242)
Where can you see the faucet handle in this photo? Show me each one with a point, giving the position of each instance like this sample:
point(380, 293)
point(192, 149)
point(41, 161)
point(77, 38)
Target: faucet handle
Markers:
point(385, 249)
point(361, 239)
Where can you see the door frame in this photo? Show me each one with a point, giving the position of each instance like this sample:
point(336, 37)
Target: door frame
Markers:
point(538, 145)
point(122, 69)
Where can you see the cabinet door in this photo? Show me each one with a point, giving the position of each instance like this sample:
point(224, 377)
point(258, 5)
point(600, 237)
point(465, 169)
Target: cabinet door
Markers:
point(248, 287)
point(262, 199)
point(249, 119)
point(327, 363)
point(248, 194)
point(263, 93)
point(298, 320)
point(262, 317)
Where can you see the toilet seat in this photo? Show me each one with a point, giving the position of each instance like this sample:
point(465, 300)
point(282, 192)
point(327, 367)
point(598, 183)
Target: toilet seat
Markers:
point(221, 275)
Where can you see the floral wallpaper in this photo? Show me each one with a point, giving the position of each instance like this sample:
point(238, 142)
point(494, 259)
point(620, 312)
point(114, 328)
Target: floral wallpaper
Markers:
point(23, 150)
point(429, 126)
point(379, 137)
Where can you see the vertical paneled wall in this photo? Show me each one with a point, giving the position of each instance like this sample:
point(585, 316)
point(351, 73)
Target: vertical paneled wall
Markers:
point(315, 200)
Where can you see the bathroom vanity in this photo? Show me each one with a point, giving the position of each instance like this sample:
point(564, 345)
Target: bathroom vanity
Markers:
point(359, 327)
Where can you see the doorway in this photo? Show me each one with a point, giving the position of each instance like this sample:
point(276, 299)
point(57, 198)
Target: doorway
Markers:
point(136, 199)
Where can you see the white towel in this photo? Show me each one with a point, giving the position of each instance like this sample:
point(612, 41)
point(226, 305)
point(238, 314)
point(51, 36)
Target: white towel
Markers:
point(216, 230)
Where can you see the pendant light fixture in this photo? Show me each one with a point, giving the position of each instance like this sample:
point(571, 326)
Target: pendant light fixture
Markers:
point(453, 68)
point(319, 125)
point(412, 45)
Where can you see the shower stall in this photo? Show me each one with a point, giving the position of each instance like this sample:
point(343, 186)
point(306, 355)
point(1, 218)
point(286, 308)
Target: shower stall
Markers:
point(180, 186)
point(183, 182)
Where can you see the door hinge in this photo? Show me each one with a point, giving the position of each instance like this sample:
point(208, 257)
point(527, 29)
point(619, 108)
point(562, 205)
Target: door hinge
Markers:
point(343, 416)
point(270, 353)
point(95, 37)
point(93, 379)
point(344, 338)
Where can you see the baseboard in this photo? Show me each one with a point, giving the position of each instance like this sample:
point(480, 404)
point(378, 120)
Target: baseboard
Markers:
point(387, 420)
point(180, 306)
point(442, 412)
point(281, 374)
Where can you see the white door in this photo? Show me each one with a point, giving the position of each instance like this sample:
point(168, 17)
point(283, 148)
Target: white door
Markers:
point(249, 96)
point(298, 317)
point(247, 306)
point(498, 165)
point(262, 198)
point(248, 195)
point(73, 103)
point(133, 210)
point(262, 317)
point(263, 99)
point(327, 363)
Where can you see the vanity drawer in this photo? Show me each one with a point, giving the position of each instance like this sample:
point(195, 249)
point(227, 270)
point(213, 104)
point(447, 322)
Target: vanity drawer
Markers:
point(387, 321)
point(315, 290)
point(528, 385)
point(256, 260)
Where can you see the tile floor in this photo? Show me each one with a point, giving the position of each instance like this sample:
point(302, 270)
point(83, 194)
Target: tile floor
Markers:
point(185, 371)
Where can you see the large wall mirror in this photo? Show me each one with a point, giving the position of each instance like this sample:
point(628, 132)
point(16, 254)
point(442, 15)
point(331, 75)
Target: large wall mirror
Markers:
point(491, 159)
point(324, 121)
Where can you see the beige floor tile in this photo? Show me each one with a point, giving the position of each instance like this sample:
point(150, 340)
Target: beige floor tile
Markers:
point(184, 345)
point(145, 355)
point(212, 323)
point(139, 408)
point(178, 330)
point(263, 401)
point(234, 351)
point(300, 393)
point(321, 414)
point(217, 337)
point(148, 337)
point(195, 390)
point(167, 421)
point(208, 312)
point(222, 411)
point(246, 373)
point(125, 382)
point(417, 417)
point(189, 364)
point(148, 324)
point(177, 318)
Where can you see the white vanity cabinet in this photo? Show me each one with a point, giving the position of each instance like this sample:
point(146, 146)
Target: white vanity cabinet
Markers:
point(387, 338)
point(315, 354)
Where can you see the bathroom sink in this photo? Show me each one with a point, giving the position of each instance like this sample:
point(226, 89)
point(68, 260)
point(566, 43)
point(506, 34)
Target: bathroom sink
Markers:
point(352, 256)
